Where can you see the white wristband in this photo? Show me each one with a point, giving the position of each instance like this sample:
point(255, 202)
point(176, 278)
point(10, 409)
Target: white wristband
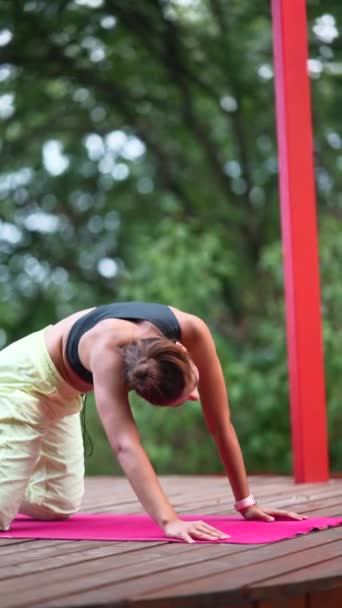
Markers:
point(243, 504)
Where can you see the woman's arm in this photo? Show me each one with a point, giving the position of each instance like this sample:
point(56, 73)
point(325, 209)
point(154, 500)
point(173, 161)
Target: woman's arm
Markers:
point(111, 397)
point(198, 340)
point(112, 403)
point(214, 400)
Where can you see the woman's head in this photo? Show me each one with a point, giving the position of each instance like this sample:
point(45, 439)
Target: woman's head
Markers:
point(159, 370)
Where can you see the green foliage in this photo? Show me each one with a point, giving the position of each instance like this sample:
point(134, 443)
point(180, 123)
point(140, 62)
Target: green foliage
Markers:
point(182, 265)
point(139, 162)
point(331, 258)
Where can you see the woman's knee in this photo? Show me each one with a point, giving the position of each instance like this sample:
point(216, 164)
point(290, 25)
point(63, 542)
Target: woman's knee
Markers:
point(55, 498)
point(45, 511)
point(4, 523)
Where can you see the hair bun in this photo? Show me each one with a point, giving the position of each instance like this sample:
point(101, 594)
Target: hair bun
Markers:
point(157, 369)
point(141, 371)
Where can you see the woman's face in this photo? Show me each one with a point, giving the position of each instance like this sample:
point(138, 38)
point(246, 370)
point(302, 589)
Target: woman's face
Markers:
point(190, 392)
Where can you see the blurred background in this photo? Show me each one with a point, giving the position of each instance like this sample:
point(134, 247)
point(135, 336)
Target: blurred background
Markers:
point(139, 161)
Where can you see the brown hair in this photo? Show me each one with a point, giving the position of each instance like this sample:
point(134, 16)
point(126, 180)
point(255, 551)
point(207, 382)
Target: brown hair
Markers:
point(157, 369)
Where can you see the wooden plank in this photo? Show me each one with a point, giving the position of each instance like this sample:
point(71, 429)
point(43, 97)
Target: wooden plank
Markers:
point(328, 565)
point(313, 507)
point(191, 494)
point(55, 558)
point(224, 574)
point(12, 541)
point(83, 573)
point(204, 601)
point(331, 598)
point(37, 555)
point(292, 564)
point(92, 574)
point(296, 601)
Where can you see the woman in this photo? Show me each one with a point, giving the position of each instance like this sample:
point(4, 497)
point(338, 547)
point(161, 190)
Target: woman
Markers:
point(167, 356)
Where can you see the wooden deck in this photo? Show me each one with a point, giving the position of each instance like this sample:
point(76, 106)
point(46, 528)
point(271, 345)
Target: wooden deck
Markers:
point(304, 572)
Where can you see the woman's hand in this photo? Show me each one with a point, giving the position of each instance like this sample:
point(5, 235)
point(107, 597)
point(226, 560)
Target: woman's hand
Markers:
point(190, 531)
point(259, 513)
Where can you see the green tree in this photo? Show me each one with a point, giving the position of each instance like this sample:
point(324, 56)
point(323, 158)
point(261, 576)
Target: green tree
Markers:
point(139, 161)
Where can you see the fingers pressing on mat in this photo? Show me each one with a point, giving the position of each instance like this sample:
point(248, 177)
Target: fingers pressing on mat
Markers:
point(192, 530)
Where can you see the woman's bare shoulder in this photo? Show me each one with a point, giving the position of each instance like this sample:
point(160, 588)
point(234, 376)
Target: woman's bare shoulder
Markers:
point(61, 327)
point(192, 326)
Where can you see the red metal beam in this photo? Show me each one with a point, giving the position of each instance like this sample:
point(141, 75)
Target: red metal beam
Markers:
point(300, 246)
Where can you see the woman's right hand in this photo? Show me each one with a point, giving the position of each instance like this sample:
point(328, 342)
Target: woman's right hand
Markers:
point(190, 531)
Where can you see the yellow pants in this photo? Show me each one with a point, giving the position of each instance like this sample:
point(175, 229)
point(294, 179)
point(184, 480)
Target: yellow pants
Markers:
point(41, 446)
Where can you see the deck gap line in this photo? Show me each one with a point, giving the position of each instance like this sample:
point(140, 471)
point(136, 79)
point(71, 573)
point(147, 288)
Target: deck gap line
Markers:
point(71, 552)
point(287, 572)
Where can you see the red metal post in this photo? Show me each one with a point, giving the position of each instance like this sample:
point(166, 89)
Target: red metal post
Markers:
point(300, 246)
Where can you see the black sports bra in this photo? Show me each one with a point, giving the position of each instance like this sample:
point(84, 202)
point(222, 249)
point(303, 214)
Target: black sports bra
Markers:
point(160, 315)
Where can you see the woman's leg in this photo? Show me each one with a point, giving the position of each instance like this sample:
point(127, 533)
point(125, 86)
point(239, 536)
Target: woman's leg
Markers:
point(56, 487)
point(40, 436)
point(20, 441)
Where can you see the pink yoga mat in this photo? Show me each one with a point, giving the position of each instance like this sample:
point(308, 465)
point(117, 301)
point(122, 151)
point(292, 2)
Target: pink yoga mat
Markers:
point(141, 528)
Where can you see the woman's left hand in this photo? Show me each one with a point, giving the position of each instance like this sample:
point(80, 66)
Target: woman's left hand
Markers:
point(259, 513)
